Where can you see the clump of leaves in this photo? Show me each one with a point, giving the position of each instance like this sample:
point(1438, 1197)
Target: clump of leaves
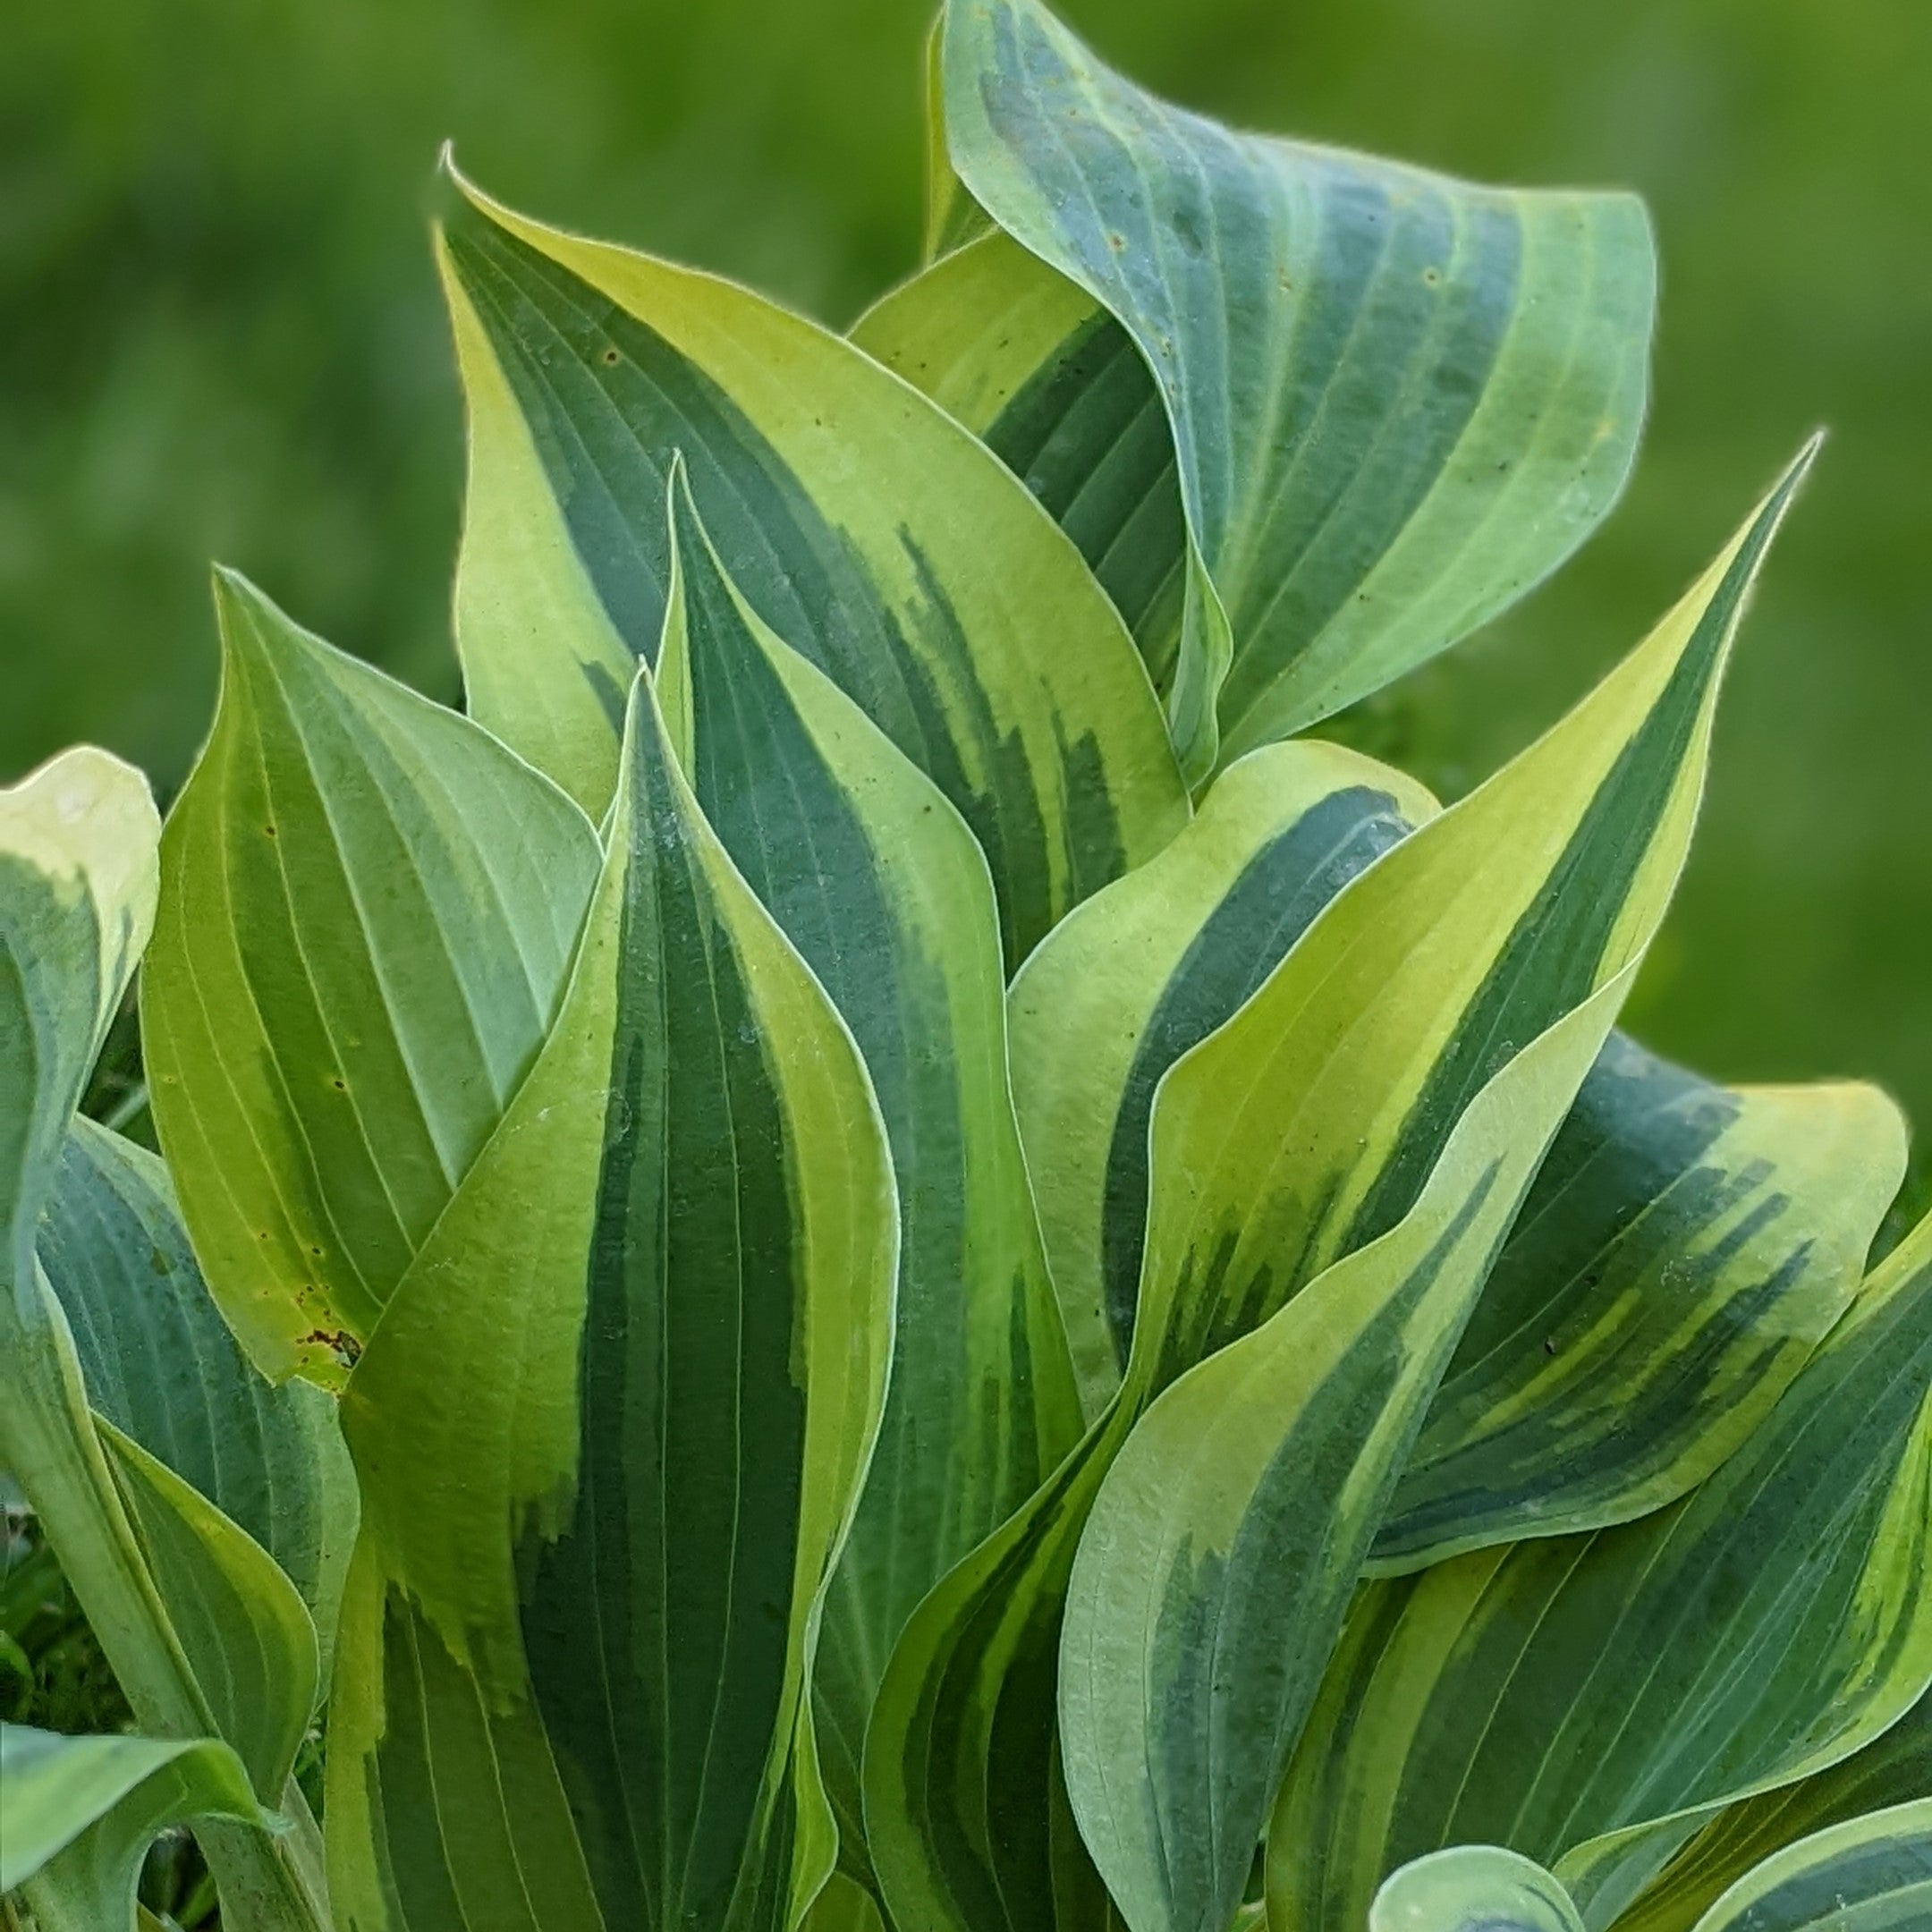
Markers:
point(870, 1251)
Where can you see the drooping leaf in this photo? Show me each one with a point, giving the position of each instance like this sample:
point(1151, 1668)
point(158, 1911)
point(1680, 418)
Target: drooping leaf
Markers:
point(1895, 1768)
point(1872, 1874)
point(1473, 1888)
point(1055, 388)
point(877, 880)
point(1591, 1700)
point(1398, 400)
point(1299, 1132)
point(162, 1367)
point(80, 1813)
point(78, 884)
point(1147, 969)
point(611, 1430)
point(856, 519)
point(368, 908)
point(1224, 1544)
point(1685, 1247)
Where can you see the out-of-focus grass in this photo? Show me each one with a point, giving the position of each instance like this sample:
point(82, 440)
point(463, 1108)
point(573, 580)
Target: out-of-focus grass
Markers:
point(219, 335)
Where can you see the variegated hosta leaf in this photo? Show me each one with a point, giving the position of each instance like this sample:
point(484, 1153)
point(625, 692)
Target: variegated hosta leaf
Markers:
point(161, 1367)
point(1055, 388)
point(856, 519)
point(1299, 1132)
point(1872, 1874)
point(1473, 1888)
point(77, 899)
point(611, 1429)
point(1895, 1768)
point(368, 909)
point(80, 1813)
point(875, 879)
point(202, 1630)
point(1685, 1247)
point(1147, 969)
point(1591, 1700)
point(1398, 400)
point(1223, 1545)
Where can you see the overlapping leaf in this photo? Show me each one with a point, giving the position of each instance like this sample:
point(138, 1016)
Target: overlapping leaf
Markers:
point(1224, 1543)
point(1473, 1888)
point(178, 1597)
point(1872, 1874)
point(1895, 1768)
point(1685, 1247)
point(1591, 1701)
point(1055, 388)
point(368, 908)
point(161, 1366)
point(611, 1430)
point(81, 1812)
point(1397, 400)
point(859, 523)
point(1296, 1135)
point(1147, 969)
point(875, 879)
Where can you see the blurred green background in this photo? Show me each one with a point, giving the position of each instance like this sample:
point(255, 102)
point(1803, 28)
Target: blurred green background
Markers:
point(220, 336)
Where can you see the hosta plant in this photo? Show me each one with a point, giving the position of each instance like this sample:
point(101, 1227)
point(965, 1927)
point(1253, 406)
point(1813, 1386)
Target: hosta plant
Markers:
point(870, 1251)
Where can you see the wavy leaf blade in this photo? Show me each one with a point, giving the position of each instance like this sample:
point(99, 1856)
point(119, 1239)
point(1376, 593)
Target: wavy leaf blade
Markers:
point(1147, 969)
point(1895, 1768)
point(859, 522)
point(1296, 1134)
point(368, 907)
point(1684, 1249)
point(877, 882)
point(1224, 1546)
point(1293, 302)
point(600, 1567)
point(1871, 1872)
point(1055, 388)
point(1709, 1678)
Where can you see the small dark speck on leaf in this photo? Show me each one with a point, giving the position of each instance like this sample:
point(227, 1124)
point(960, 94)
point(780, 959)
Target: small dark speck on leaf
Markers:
point(269, 829)
point(340, 1084)
point(610, 359)
point(1550, 1345)
point(1117, 243)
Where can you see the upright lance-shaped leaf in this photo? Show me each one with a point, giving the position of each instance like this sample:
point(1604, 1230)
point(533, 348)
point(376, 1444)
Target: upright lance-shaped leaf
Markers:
point(1895, 1768)
point(1685, 1247)
point(81, 1812)
point(1473, 1888)
point(1307, 1128)
point(875, 879)
point(1870, 1874)
point(161, 1366)
point(1150, 968)
point(611, 1430)
point(1055, 388)
point(1224, 1546)
point(368, 908)
point(77, 883)
point(1591, 1700)
point(859, 521)
point(1398, 400)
